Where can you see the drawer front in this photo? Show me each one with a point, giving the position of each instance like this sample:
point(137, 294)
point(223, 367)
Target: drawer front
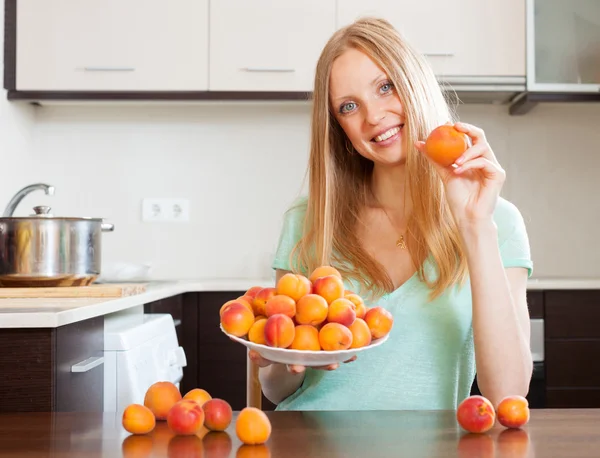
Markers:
point(573, 398)
point(80, 367)
point(535, 303)
point(572, 363)
point(572, 314)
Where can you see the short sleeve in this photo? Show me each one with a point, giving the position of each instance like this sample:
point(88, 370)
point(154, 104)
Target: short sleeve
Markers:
point(512, 236)
point(291, 232)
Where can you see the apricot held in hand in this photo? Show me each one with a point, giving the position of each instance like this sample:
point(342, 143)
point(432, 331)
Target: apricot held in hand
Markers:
point(513, 411)
point(445, 144)
point(476, 414)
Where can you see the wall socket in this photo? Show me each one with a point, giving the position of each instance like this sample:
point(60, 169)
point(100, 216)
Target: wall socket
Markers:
point(166, 210)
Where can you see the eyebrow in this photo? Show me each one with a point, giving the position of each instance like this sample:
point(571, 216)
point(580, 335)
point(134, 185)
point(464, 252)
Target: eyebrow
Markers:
point(381, 75)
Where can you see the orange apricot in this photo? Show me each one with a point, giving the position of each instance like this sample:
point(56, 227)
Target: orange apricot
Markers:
point(294, 286)
point(237, 320)
point(252, 426)
point(476, 414)
point(306, 337)
point(239, 300)
point(330, 287)
point(335, 336)
point(257, 332)
point(261, 298)
point(341, 311)
point(361, 334)
point(185, 417)
point(217, 414)
point(280, 303)
point(311, 309)
point(138, 419)
point(359, 304)
point(513, 411)
point(199, 395)
point(380, 321)
point(323, 271)
point(279, 331)
point(445, 144)
point(161, 397)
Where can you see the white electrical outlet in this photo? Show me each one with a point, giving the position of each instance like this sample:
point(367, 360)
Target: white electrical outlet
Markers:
point(166, 210)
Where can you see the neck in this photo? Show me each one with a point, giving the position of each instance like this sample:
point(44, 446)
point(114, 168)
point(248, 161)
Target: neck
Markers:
point(389, 189)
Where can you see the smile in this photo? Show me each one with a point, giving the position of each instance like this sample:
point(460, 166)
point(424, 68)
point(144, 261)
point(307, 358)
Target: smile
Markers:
point(387, 134)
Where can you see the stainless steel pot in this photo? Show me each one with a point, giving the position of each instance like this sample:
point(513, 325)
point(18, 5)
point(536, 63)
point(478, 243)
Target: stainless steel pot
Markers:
point(44, 250)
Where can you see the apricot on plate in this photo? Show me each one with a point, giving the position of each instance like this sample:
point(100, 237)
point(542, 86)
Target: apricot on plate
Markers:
point(138, 419)
point(330, 287)
point(253, 291)
point(335, 336)
point(513, 411)
point(199, 395)
point(186, 417)
point(252, 426)
point(476, 414)
point(237, 320)
point(279, 331)
point(306, 337)
point(445, 144)
point(239, 300)
point(256, 333)
point(361, 334)
point(341, 311)
point(359, 304)
point(261, 298)
point(280, 303)
point(380, 321)
point(311, 309)
point(217, 414)
point(160, 397)
point(294, 286)
point(323, 271)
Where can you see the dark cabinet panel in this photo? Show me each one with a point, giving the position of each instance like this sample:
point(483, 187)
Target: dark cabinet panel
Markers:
point(573, 398)
point(535, 302)
point(572, 314)
point(570, 363)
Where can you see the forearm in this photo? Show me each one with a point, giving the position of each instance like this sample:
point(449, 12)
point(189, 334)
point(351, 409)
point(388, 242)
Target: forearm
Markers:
point(278, 383)
point(502, 350)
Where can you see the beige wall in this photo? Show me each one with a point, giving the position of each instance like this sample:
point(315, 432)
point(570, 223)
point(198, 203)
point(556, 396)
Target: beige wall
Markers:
point(242, 164)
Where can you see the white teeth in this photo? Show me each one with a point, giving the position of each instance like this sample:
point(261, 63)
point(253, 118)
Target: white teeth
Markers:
point(388, 134)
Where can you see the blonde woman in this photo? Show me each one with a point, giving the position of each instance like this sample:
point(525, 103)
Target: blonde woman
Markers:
point(436, 246)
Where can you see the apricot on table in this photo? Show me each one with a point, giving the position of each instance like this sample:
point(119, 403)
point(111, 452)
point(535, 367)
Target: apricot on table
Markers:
point(380, 321)
point(160, 397)
point(476, 414)
point(185, 417)
point(279, 331)
point(138, 419)
point(217, 414)
point(294, 286)
point(361, 334)
point(513, 411)
point(341, 311)
point(323, 271)
point(237, 320)
point(311, 309)
point(252, 426)
point(330, 287)
point(280, 303)
point(199, 395)
point(335, 336)
point(306, 337)
point(445, 144)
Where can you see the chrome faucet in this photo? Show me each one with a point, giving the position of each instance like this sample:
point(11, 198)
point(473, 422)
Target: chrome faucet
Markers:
point(18, 197)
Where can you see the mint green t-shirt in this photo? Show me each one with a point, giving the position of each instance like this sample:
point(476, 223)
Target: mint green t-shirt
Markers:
point(428, 361)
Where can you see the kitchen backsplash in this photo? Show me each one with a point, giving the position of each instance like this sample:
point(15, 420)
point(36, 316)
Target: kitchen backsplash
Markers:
point(241, 165)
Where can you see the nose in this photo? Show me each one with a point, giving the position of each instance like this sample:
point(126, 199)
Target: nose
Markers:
point(374, 113)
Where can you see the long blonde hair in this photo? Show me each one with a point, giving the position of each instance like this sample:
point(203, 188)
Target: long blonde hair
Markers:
point(339, 182)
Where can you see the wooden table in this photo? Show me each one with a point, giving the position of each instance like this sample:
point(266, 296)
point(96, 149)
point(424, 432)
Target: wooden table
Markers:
point(550, 433)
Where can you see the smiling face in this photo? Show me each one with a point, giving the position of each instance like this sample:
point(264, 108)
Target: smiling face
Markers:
point(367, 108)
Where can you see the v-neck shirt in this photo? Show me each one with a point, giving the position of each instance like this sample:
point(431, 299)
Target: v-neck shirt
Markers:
point(428, 361)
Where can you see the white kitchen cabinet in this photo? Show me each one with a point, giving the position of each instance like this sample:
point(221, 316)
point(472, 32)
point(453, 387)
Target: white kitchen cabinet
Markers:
point(112, 45)
point(480, 38)
point(262, 45)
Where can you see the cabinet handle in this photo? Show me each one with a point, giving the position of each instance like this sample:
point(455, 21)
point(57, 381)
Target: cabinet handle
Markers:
point(268, 70)
point(87, 364)
point(109, 69)
point(439, 54)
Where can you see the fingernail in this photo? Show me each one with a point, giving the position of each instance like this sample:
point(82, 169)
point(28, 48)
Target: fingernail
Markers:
point(460, 160)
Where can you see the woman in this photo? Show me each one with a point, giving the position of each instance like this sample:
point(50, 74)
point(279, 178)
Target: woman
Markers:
point(434, 245)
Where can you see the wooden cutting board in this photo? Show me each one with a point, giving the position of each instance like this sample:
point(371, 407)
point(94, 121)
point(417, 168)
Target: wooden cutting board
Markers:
point(99, 290)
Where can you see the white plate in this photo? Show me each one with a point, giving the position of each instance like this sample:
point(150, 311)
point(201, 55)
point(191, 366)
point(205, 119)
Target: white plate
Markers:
point(307, 358)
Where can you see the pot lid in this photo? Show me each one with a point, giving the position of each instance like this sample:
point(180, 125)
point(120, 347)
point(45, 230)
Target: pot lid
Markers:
point(42, 211)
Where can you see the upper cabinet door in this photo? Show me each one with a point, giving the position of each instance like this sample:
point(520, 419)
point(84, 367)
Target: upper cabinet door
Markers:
point(462, 38)
point(262, 45)
point(112, 45)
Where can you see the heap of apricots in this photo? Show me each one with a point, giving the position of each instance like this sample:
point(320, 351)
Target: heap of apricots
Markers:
point(300, 313)
point(189, 414)
point(476, 414)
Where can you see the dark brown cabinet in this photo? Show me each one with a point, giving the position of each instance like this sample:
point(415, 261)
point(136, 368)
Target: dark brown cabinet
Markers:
point(53, 369)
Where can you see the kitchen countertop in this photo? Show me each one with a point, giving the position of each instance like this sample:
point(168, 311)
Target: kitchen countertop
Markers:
point(381, 434)
point(54, 312)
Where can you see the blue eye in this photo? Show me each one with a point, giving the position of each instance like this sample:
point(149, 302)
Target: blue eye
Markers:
point(386, 87)
point(347, 107)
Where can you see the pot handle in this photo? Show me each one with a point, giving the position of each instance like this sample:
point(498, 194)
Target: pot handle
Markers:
point(107, 227)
